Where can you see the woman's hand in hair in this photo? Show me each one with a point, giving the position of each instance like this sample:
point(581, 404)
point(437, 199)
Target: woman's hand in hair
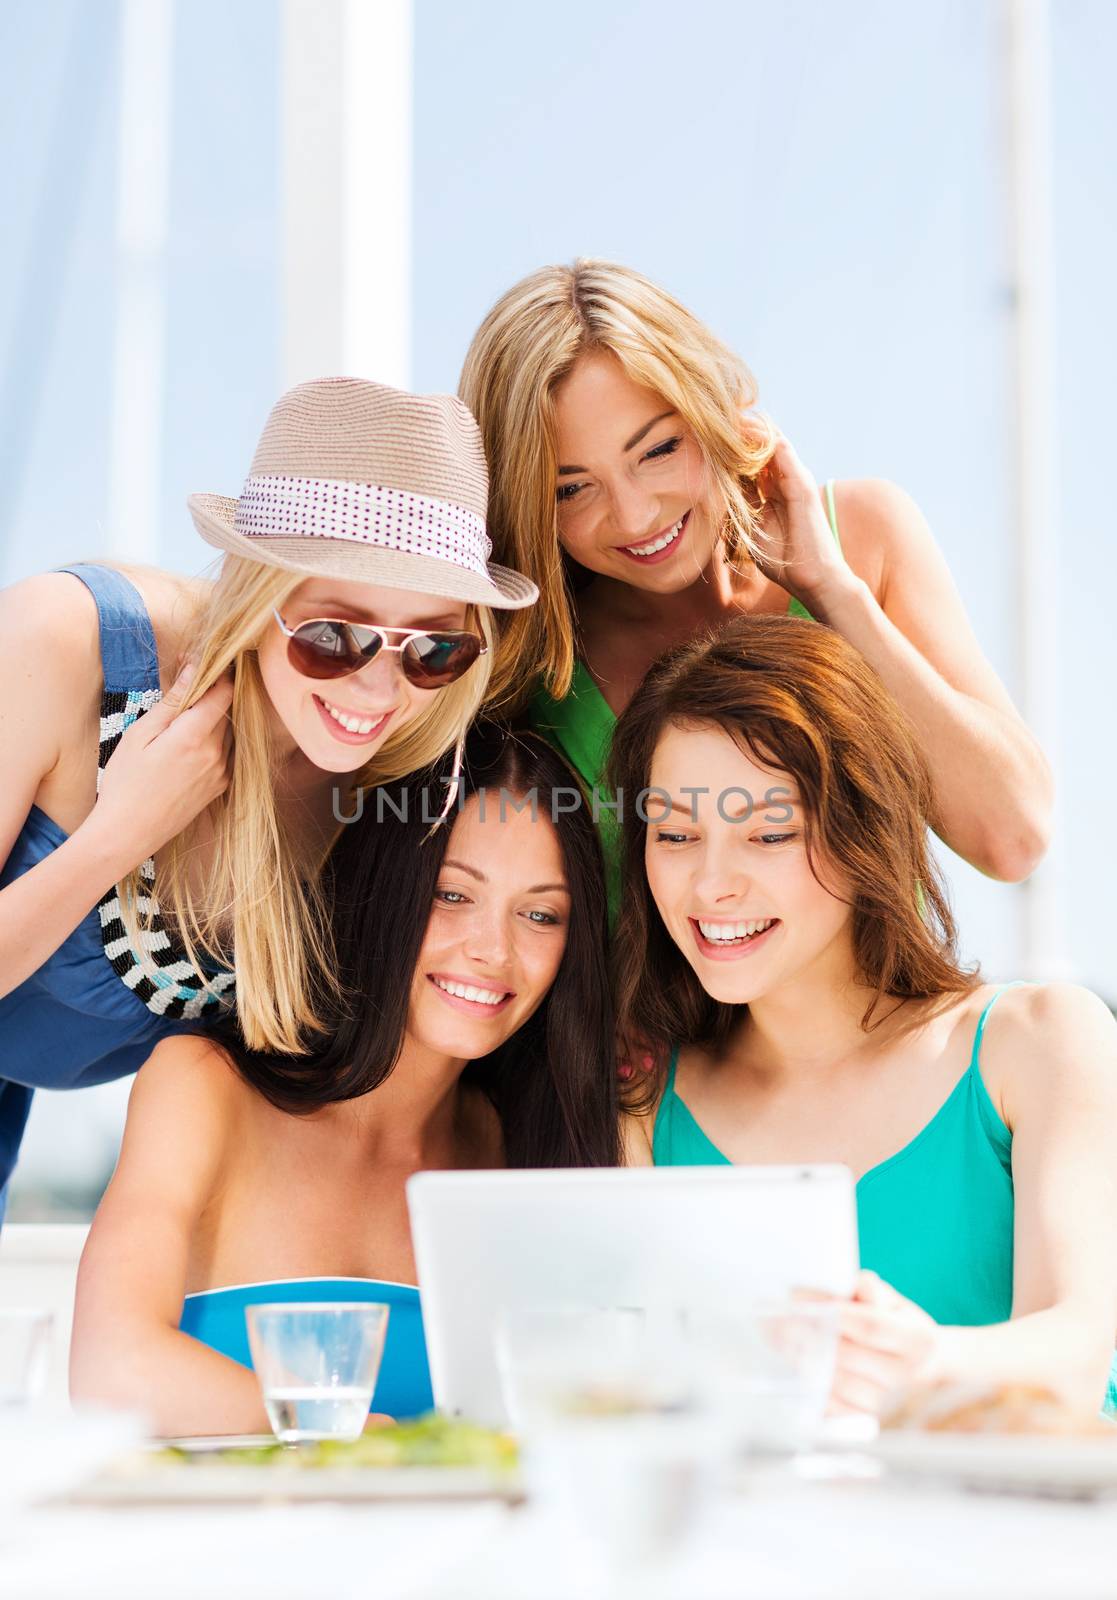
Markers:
point(886, 1343)
point(797, 548)
point(169, 765)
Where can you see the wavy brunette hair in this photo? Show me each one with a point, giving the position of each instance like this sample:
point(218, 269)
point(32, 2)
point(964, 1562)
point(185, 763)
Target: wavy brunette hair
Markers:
point(797, 698)
point(553, 1083)
point(526, 346)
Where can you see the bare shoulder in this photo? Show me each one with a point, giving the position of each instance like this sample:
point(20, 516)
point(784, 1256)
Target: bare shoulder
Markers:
point(194, 1064)
point(57, 609)
point(186, 1119)
point(187, 1090)
point(50, 695)
point(1050, 1012)
point(1050, 1039)
point(50, 643)
point(874, 504)
point(879, 524)
point(52, 612)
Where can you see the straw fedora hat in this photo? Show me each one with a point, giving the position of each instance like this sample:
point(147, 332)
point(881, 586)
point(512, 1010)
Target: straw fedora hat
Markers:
point(357, 481)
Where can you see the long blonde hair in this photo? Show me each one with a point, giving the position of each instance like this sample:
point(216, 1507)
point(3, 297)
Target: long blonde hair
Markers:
point(526, 345)
point(258, 905)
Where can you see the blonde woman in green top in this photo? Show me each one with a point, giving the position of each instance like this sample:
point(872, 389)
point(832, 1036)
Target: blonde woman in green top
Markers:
point(785, 946)
point(630, 480)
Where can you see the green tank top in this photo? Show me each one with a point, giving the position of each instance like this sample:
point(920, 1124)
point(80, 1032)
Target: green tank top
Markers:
point(580, 726)
point(935, 1220)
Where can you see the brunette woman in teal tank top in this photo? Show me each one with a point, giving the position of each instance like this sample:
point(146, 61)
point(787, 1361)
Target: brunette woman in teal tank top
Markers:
point(786, 948)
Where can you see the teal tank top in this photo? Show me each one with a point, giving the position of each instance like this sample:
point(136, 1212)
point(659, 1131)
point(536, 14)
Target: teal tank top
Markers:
point(935, 1220)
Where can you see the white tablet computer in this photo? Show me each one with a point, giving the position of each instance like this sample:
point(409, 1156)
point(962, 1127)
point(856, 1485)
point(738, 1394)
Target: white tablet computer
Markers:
point(661, 1238)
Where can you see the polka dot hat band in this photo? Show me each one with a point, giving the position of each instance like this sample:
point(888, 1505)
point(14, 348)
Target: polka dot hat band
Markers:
point(357, 481)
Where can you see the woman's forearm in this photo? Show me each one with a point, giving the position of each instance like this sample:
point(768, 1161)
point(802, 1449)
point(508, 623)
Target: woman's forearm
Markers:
point(177, 1383)
point(1061, 1349)
point(41, 908)
point(993, 787)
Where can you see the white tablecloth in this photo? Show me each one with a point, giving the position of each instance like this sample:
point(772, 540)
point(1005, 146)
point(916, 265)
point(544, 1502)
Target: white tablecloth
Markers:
point(792, 1540)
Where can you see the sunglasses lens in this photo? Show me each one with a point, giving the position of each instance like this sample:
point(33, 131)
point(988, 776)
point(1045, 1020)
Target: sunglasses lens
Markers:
point(330, 649)
point(436, 659)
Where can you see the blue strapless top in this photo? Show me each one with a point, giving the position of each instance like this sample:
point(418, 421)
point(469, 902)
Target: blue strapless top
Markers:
point(403, 1389)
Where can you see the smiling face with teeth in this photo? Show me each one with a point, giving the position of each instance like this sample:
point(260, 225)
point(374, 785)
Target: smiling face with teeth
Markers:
point(736, 891)
point(496, 934)
point(338, 725)
point(633, 491)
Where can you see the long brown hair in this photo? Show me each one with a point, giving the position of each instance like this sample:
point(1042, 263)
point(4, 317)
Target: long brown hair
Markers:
point(553, 1083)
point(527, 344)
point(800, 699)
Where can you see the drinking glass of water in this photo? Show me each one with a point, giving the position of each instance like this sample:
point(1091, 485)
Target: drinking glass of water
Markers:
point(616, 1442)
point(317, 1366)
point(769, 1367)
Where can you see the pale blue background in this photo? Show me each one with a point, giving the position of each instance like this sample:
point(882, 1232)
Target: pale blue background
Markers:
point(824, 184)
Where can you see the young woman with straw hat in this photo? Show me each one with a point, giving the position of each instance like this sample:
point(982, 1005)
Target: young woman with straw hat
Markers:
point(150, 837)
point(630, 479)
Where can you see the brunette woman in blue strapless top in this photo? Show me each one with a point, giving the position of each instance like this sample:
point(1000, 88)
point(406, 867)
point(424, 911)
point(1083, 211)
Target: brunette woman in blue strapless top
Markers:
point(472, 1028)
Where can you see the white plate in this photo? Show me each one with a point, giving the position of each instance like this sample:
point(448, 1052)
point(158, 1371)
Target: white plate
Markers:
point(210, 1483)
point(1064, 1467)
point(214, 1443)
point(140, 1480)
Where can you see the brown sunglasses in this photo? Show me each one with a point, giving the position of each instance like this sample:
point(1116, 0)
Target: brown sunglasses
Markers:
point(328, 648)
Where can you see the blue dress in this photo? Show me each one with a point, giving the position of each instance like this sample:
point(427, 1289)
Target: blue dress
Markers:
point(403, 1388)
point(91, 1013)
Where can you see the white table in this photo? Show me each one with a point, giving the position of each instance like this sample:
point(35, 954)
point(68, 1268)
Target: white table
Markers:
point(797, 1541)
